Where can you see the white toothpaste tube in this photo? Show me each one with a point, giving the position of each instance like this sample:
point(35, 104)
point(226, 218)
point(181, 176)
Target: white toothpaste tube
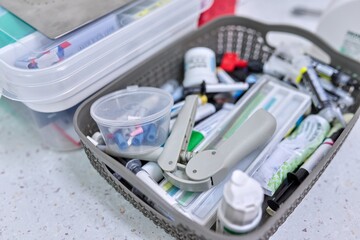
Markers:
point(202, 112)
point(291, 152)
point(206, 127)
point(175, 110)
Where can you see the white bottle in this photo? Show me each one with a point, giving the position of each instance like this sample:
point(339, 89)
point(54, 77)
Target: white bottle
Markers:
point(200, 65)
point(240, 208)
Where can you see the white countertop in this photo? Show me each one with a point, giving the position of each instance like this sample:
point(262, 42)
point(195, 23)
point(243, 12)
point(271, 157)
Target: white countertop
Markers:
point(58, 195)
point(53, 195)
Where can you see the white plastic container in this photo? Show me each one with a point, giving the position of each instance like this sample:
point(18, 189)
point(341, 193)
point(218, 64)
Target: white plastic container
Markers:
point(135, 120)
point(200, 65)
point(56, 90)
point(240, 209)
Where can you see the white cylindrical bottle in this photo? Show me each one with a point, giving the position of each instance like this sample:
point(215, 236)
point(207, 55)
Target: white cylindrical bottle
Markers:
point(200, 65)
point(240, 208)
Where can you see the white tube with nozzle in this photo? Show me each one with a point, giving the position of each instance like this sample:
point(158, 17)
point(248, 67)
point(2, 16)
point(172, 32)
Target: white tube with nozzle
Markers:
point(240, 209)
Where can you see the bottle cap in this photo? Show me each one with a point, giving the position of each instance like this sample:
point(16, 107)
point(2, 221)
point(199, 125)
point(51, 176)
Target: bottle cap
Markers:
point(203, 99)
point(97, 136)
point(134, 165)
point(244, 196)
point(154, 170)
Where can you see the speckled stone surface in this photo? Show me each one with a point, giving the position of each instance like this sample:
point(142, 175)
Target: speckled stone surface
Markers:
point(332, 207)
point(53, 195)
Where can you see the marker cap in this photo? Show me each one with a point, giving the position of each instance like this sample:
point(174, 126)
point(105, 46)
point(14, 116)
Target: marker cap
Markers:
point(240, 209)
point(203, 99)
point(195, 139)
point(243, 197)
point(97, 136)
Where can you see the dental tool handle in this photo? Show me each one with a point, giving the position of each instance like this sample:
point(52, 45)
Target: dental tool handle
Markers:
point(216, 164)
point(178, 140)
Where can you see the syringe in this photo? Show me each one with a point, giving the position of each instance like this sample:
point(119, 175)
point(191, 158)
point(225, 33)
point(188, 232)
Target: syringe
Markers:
point(320, 98)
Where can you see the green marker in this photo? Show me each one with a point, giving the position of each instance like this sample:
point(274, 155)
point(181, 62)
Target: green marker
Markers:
point(203, 129)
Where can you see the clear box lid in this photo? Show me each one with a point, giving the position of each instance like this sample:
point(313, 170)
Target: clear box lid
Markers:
point(144, 24)
point(51, 52)
point(131, 106)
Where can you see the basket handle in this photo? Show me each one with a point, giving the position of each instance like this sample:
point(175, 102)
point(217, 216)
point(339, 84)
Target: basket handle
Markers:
point(336, 58)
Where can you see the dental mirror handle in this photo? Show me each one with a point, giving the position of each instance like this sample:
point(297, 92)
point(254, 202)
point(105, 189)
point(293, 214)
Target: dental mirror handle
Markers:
point(216, 164)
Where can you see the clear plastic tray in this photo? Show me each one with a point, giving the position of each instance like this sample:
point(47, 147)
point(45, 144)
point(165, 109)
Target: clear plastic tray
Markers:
point(68, 82)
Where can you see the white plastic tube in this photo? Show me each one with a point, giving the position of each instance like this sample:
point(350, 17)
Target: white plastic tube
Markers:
point(240, 209)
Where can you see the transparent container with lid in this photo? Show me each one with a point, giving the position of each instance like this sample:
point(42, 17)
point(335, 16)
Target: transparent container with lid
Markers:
point(47, 74)
point(133, 121)
point(52, 93)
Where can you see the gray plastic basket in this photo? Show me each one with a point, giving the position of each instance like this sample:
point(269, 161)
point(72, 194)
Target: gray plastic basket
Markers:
point(248, 39)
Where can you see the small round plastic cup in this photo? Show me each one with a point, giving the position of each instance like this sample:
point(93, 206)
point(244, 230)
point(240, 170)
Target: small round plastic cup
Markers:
point(133, 121)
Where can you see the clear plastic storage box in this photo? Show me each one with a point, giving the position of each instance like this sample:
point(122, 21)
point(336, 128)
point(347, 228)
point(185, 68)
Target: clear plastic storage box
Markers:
point(52, 91)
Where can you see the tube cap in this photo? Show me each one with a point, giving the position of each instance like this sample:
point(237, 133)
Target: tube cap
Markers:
point(244, 196)
point(203, 99)
point(154, 170)
point(195, 139)
point(97, 136)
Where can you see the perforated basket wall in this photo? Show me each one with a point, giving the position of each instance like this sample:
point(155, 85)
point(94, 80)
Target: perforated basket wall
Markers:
point(248, 39)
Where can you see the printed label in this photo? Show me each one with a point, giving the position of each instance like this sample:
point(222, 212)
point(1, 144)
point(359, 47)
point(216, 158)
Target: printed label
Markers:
point(198, 61)
point(184, 198)
point(151, 8)
point(351, 45)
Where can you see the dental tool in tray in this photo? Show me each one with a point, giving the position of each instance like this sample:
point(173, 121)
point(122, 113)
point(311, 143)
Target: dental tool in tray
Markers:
point(199, 171)
point(241, 141)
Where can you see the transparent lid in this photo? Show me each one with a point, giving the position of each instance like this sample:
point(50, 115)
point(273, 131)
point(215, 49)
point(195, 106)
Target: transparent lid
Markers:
point(206, 4)
point(42, 52)
point(132, 106)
